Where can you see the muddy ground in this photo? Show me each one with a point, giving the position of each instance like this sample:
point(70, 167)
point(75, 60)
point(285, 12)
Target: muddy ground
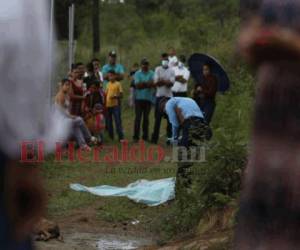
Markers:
point(82, 230)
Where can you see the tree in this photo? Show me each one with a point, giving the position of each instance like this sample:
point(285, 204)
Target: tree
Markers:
point(96, 27)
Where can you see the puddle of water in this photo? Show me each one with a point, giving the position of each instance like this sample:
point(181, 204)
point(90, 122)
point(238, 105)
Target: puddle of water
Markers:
point(113, 243)
point(92, 241)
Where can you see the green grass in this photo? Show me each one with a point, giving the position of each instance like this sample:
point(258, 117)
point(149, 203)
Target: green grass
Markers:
point(63, 200)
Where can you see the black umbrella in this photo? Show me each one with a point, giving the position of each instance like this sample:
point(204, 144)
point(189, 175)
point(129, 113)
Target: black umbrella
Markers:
point(196, 62)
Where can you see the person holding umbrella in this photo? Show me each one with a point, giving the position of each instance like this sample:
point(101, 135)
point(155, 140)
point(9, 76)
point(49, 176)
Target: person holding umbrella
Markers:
point(205, 92)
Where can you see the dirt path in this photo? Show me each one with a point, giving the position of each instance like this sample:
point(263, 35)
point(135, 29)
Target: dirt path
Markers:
point(82, 230)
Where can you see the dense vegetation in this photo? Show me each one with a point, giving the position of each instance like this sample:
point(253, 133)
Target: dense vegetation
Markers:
point(142, 28)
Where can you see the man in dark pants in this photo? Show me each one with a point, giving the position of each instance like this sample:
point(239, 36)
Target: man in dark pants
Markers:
point(184, 113)
point(164, 79)
point(143, 82)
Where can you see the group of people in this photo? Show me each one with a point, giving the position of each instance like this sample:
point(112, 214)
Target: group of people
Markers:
point(91, 98)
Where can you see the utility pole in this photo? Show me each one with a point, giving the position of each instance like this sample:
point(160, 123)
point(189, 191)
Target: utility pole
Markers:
point(96, 27)
point(71, 33)
point(50, 56)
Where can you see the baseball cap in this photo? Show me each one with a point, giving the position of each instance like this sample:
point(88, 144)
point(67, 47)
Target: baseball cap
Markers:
point(144, 61)
point(112, 53)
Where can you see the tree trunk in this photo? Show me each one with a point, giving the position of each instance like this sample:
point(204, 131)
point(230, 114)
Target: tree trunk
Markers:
point(96, 27)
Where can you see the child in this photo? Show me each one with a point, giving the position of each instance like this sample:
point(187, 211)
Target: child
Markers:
point(96, 122)
point(95, 95)
point(114, 94)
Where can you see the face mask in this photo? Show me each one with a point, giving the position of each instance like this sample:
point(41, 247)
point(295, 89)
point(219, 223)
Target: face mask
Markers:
point(165, 63)
point(180, 65)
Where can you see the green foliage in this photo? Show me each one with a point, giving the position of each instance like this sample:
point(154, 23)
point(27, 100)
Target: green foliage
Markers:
point(145, 29)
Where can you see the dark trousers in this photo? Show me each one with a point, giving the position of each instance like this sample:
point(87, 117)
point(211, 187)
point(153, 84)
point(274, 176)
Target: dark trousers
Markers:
point(158, 116)
point(194, 132)
point(180, 94)
point(114, 113)
point(208, 107)
point(142, 111)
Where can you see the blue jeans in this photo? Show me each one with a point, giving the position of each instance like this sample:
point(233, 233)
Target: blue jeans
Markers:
point(114, 113)
point(80, 132)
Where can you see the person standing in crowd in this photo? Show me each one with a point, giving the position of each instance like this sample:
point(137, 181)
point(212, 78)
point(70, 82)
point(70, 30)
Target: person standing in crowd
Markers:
point(133, 70)
point(182, 76)
point(112, 65)
point(143, 82)
point(164, 79)
point(204, 93)
point(114, 94)
point(81, 70)
point(173, 60)
point(94, 96)
point(89, 75)
point(97, 69)
point(76, 91)
point(79, 130)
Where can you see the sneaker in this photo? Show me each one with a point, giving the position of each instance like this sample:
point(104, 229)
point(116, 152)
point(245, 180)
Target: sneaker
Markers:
point(94, 140)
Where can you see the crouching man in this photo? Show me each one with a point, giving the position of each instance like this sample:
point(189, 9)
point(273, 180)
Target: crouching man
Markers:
point(186, 117)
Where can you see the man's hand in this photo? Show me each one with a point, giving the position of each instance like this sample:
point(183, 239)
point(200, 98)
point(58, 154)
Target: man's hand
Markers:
point(169, 84)
point(181, 79)
point(115, 97)
point(161, 83)
point(199, 88)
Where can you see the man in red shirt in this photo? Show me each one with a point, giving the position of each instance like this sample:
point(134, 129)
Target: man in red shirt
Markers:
point(205, 93)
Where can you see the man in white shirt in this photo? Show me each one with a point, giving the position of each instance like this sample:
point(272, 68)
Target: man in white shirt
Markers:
point(173, 60)
point(182, 76)
point(164, 79)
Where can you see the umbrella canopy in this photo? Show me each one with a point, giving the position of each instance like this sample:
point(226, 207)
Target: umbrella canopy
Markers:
point(196, 62)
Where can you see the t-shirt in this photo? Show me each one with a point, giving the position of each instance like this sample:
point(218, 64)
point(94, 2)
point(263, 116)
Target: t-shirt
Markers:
point(139, 77)
point(189, 108)
point(118, 68)
point(178, 86)
point(164, 74)
point(113, 89)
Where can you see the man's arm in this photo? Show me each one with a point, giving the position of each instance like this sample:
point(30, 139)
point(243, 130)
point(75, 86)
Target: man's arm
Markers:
point(158, 82)
point(181, 79)
point(120, 73)
point(179, 115)
point(105, 73)
point(119, 77)
point(171, 81)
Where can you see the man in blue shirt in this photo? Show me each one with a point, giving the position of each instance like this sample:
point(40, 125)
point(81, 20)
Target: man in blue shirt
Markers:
point(144, 89)
point(184, 113)
point(112, 65)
